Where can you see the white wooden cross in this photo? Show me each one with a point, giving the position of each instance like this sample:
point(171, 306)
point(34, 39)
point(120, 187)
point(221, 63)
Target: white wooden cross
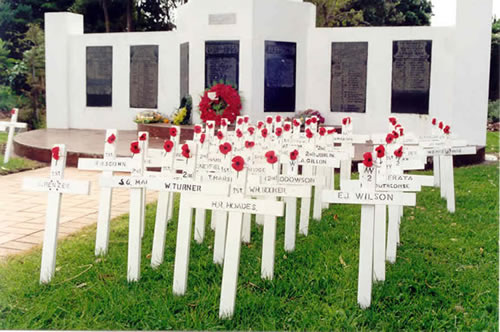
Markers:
point(365, 195)
point(237, 205)
point(107, 165)
point(55, 185)
point(270, 187)
point(137, 183)
point(444, 151)
point(12, 125)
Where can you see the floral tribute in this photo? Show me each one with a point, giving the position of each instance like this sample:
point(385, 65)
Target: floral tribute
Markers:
point(219, 102)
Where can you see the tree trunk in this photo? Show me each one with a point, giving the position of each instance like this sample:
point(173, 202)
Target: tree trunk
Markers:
point(130, 22)
point(104, 4)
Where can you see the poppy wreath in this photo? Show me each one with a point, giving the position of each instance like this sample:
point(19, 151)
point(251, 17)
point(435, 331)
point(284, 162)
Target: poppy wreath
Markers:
point(226, 104)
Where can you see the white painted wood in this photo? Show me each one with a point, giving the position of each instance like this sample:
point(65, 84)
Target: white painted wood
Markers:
point(199, 225)
point(55, 186)
point(12, 125)
point(136, 216)
point(105, 197)
point(444, 176)
point(220, 218)
point(247, 228)
point(436, 168)
point(48, 264)
point(366, 197)
point(161, 218)
point(291, 210)
point(450, 184)
point(232, 252)
point(269, 229)
point(365, 271)
point(182, 249)
point(392, 234)
point(305, 205)
point(379, 234)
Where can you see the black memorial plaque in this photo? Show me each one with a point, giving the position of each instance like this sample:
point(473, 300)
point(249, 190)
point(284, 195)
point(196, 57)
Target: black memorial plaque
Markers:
point(144, 76)
point(348, 77)
point(99, 76)
point(184, 69)
point(280, 66)
point(222, 60)
point(411, 76)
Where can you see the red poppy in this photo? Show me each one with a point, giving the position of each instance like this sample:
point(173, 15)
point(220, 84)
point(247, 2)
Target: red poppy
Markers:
point(278, 131)
point(380, 151)
point(251, 130)
point(393, 121)
point(309, 133)
point(294, 154)
point(220, 134)
point(269, 119)
point(239, 134)
point(134, 147)
point(331, 131)
point(173, 131)
point(247, 119)
point(441, 125)
point(434, 121)
point(278, 118)
point(296, 123)
point(197, 129)
point(314, 120)
point(111, 139)
point(368, 159)
point(186, 153)
point(143, 137)
point(185, 147)
point(389, 138)
point(395, 134)
point(308, 122)
point(225, 148)
point(240, 121)
point(249, 144)
point(397, 126)
point(399, 152)
point(401, 131)
point(346, 121)
point(446, 129)
point(202, 138)
point(223, 122)
point(260, 124)
point(271, 157)
point(263, 132)
point(238, 163)
point(168, 145)
point(210, 125)
point(13, 111)
point(287, 127)
point(55, 152)
point(322, 131)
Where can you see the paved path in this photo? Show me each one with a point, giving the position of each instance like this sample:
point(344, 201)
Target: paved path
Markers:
point(22, 213)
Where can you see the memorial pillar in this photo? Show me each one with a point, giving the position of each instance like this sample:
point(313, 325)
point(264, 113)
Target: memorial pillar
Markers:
point(472, 69)
point(59, 27)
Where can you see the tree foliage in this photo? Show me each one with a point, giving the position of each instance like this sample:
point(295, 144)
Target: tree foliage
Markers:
point(342, 13)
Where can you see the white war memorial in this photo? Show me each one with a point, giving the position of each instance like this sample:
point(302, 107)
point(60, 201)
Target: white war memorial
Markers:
point(368, 73)
point(393, 100)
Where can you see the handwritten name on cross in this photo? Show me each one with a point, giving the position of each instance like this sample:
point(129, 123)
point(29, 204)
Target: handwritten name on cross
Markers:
point(56, 186)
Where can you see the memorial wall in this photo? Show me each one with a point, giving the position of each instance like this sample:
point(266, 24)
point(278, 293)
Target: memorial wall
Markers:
point(368, 73)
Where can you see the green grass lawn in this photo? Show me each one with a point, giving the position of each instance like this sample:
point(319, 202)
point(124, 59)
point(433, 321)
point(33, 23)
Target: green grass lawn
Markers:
point(15, 164)
point(445, 276)
point(492, 142)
